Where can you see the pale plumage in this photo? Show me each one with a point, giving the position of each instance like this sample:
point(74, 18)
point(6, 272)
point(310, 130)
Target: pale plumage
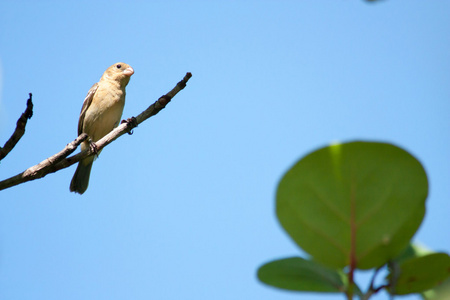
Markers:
point(101, 112)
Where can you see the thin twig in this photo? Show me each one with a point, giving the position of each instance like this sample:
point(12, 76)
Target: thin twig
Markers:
point(372, 282)
point(163, 100)
point(20, 129)
point(372, 290)
point(384, 286)
point(60, 160)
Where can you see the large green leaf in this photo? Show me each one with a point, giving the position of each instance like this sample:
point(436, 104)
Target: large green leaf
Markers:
point(357, 202)
point(419, 274)
point(298, 274)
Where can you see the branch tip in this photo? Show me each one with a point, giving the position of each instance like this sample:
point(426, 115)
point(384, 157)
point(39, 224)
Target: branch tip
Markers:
point(19, 131)
point(29, 111)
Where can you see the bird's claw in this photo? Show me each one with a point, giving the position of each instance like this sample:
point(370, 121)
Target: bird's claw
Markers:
point(132, 121)
point(93, 147)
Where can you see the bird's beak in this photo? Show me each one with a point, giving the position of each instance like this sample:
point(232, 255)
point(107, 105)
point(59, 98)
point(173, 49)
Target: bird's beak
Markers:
point(128, 71)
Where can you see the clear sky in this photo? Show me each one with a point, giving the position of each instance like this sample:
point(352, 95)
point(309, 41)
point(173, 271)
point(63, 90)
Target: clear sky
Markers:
point(184, 208)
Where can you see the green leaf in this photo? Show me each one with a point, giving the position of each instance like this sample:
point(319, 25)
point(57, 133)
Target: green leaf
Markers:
point(298, 274)
point(422, 273)
point(357, 202)
point(413, 250)
point(440, 292)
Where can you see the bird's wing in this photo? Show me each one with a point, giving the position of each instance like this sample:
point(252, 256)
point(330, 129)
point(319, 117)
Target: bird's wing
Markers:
point(86, 103)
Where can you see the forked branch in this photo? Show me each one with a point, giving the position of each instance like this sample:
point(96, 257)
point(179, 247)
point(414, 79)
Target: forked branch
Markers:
point(61, 160)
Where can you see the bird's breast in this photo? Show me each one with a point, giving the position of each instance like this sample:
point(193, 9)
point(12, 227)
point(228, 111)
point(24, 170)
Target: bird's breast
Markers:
point(104, 113)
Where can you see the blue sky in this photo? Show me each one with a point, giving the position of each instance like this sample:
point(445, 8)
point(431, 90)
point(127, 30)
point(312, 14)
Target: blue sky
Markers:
point(184, 208)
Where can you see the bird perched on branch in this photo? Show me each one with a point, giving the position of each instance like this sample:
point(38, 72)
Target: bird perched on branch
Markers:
point(101, 112)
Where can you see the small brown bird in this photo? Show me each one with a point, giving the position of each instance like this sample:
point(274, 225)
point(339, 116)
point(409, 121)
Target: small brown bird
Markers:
point(101, 112)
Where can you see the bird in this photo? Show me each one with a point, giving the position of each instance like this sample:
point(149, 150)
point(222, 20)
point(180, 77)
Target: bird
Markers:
point(101, 112)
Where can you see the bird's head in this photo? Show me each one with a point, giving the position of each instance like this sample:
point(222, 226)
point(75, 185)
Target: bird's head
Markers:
point(120, 72)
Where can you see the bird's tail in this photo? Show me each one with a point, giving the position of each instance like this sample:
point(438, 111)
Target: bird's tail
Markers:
point(80, 180)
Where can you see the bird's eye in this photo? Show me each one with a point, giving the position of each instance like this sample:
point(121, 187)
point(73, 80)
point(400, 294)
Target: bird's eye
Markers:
point(119, 66)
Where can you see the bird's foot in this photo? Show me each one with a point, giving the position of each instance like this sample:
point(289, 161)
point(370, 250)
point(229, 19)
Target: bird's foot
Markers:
point(133, 123)
point(93, 147)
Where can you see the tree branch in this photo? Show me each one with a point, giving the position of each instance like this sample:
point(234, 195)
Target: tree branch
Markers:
point(60, 160)
point(19, 131)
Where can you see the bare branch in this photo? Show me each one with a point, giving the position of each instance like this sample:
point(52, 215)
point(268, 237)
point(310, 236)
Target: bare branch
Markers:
point(45, 167)
point(162, 101)
point(20, 129)
point(60, 160)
